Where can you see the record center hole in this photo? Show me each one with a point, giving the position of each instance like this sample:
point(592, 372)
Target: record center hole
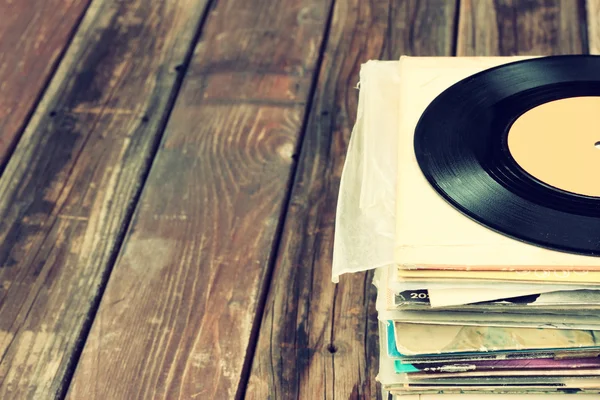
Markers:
point(597, 145)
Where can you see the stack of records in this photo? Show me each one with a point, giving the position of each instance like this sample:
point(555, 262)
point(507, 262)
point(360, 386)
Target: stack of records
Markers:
point(470, 188)
point(545, 343)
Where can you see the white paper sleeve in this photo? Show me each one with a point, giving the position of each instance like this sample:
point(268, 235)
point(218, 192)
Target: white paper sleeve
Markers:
point(365, 220)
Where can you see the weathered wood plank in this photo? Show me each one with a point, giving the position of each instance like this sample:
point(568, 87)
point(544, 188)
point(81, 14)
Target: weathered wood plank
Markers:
point(33, 35)
point(593, 25)
point(69, 188)
point(176, 318)
point(318, 340)
point(514, 27)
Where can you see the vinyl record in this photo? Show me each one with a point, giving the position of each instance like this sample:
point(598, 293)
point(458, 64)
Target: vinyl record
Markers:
point(462, 147)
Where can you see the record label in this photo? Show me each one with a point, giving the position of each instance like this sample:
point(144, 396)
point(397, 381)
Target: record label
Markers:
point(559, 143)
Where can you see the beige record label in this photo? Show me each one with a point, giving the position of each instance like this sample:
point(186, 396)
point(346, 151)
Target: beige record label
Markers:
point(559, 143)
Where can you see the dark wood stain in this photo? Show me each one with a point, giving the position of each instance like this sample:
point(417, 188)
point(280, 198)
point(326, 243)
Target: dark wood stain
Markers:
point(512, 27)
point(33, 39)
point(176, 318)
point(69, 190)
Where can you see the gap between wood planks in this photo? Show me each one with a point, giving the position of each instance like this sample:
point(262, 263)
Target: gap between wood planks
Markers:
point(15, 136)
point(181, 70)
point(359, 35)
point(232, 167)
point(73, 177)
point(247, 366)
point(456, 23)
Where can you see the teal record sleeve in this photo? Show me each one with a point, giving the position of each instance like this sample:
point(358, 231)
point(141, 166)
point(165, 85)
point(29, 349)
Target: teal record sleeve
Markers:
point(392, 351)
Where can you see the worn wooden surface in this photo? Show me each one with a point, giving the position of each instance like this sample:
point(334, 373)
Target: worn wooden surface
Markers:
point(319, 340)
point(593, 25)
point(33, 35)
point(176, 319)
point(514, 27)
point(216, 240)
point(69, 187)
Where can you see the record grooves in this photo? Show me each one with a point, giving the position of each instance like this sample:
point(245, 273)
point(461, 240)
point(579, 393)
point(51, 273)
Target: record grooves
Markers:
point(461, 147)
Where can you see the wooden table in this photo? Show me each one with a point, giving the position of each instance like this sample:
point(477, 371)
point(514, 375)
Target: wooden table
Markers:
point(169, 180)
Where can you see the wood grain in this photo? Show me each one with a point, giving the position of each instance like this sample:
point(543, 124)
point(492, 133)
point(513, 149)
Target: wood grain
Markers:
point(319, 340)
point(69, 188)
point(176, 318)
point(593, 25)
point(33, 35)
point(521, 27)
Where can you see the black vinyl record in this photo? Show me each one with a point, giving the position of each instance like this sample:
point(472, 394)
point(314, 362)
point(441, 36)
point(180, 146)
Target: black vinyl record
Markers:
point(462, 149)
